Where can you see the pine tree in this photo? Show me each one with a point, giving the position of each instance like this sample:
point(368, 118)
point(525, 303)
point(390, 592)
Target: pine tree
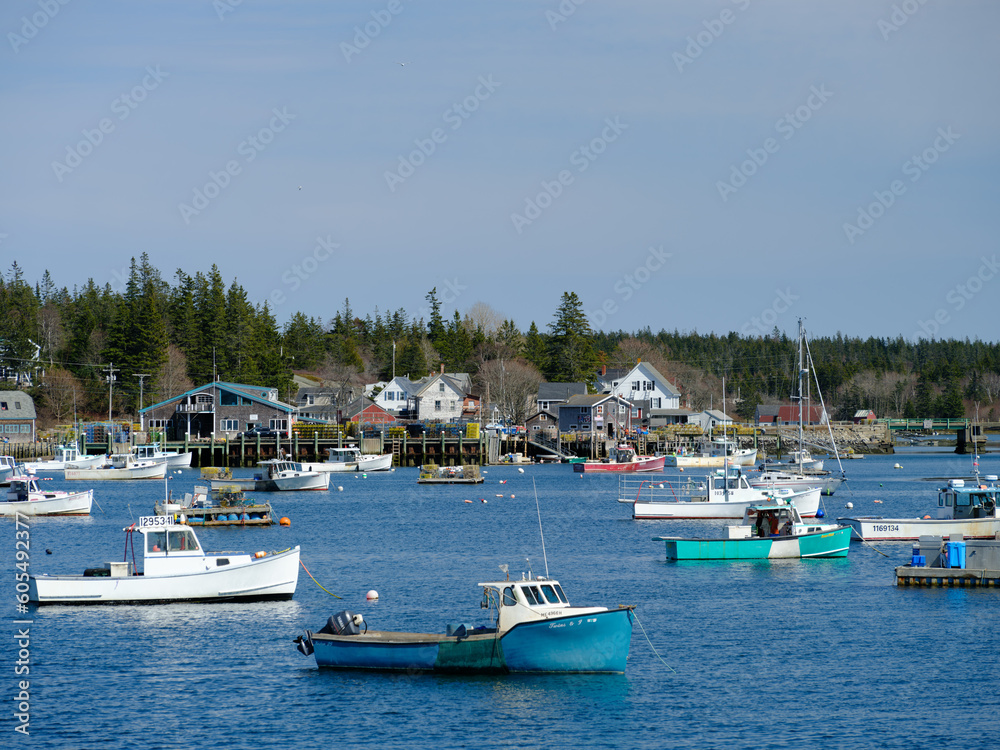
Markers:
point(571, 356)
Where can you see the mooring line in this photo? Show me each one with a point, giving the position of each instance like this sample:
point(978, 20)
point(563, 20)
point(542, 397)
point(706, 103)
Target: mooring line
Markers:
point(317, 582)
point(651, 644)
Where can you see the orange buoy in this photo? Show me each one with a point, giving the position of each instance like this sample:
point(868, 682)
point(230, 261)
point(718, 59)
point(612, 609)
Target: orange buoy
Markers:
point(468, 501)
point(258, 555)
point(285, 521)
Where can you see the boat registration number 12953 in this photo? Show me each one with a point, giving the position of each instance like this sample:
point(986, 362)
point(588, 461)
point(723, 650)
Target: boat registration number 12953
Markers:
point(885, 527)
point(145, 521)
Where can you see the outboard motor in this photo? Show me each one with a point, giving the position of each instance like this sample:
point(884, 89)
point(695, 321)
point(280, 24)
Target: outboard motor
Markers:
point(343, 623)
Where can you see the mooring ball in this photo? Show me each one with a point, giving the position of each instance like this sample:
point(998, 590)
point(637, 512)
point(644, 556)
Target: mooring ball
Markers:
point(849, 506)
point(372, 595)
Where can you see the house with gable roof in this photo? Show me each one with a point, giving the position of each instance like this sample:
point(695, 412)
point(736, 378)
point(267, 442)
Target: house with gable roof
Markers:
point(17, 417)
point(550, 395)
point(642, 383)
point(441, 399)
point(219, 409)
point(601, 413)
point(398, 397)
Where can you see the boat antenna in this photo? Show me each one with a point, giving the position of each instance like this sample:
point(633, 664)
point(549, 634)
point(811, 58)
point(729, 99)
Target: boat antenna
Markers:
point(540, 533)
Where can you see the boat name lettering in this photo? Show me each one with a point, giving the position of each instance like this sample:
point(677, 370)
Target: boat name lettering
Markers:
point(145, 521)
point(885, 527)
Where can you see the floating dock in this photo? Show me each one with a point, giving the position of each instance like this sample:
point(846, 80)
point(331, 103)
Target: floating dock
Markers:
point(952, 561)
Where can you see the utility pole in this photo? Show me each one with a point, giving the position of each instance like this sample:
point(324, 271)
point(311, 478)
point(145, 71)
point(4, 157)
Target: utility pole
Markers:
point(141, 375)
point(393, 361)
point(111, 370)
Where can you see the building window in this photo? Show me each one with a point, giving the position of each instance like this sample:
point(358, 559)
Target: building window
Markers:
point(600, 409)
point(541, 417)
point(441, 387)
point(451, 404)
point(203, 398)
point(647, 385)
point(279, 424)
point(656, 403)
point(310, 400)
point(229, 425)
point(17, 404)
point(635, 385)
point(621, 408)
point(437, 406)
point(635, 413)
point(390, 396)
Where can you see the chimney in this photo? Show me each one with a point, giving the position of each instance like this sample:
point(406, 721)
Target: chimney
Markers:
point(442, 368)
point(604, 370)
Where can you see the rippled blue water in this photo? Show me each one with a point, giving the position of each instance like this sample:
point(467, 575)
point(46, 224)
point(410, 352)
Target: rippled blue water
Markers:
point(822, 653)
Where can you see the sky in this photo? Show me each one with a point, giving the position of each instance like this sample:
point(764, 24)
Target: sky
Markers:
point(703, 166)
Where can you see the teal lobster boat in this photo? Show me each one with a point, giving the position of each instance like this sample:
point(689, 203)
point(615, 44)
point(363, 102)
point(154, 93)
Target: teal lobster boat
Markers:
point(770, 530)
point(534, 629)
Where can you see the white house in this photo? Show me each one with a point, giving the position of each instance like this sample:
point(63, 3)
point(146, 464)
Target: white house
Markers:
point(710, 419)
point(441, 400)
point(397, 395)
point(644, 383)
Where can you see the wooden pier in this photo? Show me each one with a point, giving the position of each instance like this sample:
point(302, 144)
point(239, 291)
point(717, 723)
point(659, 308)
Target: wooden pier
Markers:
point(947, 577)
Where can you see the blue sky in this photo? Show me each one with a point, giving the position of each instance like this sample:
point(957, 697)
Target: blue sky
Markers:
point(706, 166)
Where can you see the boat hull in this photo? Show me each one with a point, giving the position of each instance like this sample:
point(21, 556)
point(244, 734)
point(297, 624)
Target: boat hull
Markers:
point(153, 471)
point(271, 577)
point(744, 457)
point(84, 462)
point(651, 463)
point(591, 643)
point(827, 484)
point(831, 543)
point(807, 504)
point(904, 529)
point(50, 504)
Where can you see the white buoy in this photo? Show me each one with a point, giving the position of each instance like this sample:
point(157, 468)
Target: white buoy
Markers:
point(849, 506)
point(372, 596)
point(340, 488)
point(897, 466)
point(519, 470)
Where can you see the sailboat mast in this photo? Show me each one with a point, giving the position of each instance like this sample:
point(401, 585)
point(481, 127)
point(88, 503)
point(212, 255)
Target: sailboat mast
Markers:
point(800, 395)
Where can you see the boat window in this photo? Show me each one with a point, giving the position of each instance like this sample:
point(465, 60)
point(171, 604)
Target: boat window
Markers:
point(550, 594)
point(539, 599)
point(947, 499)
point(529, 595)
point(508, 597)
point(562, 596)
point(156, 541)
point(720, 483)
point(962, 499)
point(181, 541)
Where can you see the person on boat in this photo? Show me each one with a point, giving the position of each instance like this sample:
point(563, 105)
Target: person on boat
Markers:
point(762, 525)
point(774, 523)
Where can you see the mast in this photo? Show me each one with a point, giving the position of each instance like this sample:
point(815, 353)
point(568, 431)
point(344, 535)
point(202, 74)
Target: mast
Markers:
point(801, 371)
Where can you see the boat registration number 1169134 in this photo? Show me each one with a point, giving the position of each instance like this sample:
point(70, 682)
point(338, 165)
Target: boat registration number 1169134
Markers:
point(145, 521)
point(885, 527)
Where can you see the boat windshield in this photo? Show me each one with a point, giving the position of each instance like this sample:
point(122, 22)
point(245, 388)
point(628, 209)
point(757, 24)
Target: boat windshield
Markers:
point(181, 540)
point(552, 595)
point(156, 541)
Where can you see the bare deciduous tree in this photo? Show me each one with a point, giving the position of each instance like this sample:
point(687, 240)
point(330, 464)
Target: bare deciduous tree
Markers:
point(172, 379)
point(512, 384)
point(484, 317)
point(61, 388)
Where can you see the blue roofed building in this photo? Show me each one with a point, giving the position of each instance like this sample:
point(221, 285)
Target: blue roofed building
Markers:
point(219, 409)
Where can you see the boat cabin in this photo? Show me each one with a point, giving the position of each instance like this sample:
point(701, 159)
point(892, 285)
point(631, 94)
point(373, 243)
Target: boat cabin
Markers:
point(277, 467)
point(67, 453)
point(529, 599)
point(733, 481)
point(147, 453)
point(343, 455)
point(976, 500)
point(776, 517)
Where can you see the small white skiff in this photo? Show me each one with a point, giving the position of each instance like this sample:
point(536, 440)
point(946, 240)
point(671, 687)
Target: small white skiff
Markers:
point(26, 498)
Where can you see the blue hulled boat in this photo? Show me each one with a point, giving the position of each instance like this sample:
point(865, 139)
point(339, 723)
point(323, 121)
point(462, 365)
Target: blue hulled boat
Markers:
point(533, 629)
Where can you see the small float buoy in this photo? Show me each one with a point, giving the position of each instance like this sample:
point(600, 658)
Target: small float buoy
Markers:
point(258, 555)
point(661, 485)
point(820, 513)
point(498, 496)
point(364, 476)
point(372, 596)
point(877, 501)
point(520, 470)
point(849, 506)
point(285, 521)
point(511, 497)
point(897, 466)
point(48, 552)
point(482, 499)
point(926, 517)
point(681, 469)
point(468, 501)
point(340, 488)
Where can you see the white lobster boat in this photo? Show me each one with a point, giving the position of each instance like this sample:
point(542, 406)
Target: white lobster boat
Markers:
point(153, 452)
point(26, 498)
point(123, 466)
point(966, 509)
point(350, 459)
point(175, 569)
point(66, 457)
point(714, 496)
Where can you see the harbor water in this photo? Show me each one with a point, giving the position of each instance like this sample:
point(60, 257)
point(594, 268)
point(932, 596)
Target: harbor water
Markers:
point(783, 654)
